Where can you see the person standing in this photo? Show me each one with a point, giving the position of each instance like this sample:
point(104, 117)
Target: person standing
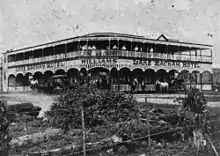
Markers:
point(143, 86)
point(134, 85)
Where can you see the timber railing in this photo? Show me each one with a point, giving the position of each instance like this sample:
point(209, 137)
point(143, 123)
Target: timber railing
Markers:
point(116, 53)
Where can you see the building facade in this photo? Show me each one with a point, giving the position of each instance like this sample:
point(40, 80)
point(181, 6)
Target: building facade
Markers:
point(216, 77)
point(120, 58)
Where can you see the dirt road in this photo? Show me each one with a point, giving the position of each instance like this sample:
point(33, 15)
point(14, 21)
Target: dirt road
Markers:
point(45, 101)
point(37, 99)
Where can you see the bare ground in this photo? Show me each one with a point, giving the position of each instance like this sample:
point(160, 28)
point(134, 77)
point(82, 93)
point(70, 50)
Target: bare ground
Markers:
point(44, 101)
point(38, 99)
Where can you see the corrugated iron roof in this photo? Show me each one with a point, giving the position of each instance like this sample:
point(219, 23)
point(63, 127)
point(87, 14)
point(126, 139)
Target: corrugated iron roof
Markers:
point(111, 34)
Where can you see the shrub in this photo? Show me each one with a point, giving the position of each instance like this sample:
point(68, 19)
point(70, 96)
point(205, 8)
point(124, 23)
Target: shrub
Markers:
point(195, 101)
point(194, 113)
point(101, 107)
point(4, 137)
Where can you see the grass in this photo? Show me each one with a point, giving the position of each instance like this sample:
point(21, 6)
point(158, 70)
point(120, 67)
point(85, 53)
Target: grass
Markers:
point(26, 125)
point(35, 125)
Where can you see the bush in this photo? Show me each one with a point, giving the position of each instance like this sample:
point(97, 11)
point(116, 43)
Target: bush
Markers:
point(195, 101)
point(194, 113)
point(101, 107)
point(4, 137)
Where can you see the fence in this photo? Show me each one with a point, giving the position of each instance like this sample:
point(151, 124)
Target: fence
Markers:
point(85, 147)
point(116, 140)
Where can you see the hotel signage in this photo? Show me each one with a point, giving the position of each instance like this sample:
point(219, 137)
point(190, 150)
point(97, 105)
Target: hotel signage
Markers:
point(40, 66)
point(109, 63)
point(106, 63)
point(165, 63)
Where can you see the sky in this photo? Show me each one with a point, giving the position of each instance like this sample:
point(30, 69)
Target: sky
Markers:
point(31, 22)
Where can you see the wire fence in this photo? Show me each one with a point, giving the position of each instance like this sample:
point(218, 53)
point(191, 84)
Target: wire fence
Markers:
point(138, 138)
point(120, 142)
point(86, 130)
point(128, 141)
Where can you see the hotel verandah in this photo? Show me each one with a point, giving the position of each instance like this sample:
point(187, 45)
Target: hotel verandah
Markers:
point(119, 57)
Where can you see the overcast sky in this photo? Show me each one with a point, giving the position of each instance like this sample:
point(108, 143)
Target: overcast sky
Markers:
point(31, 22)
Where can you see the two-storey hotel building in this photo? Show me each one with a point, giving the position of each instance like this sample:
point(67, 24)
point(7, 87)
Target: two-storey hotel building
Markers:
point(119, 57)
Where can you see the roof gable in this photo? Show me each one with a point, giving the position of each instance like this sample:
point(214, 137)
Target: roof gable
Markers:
point(162, 38)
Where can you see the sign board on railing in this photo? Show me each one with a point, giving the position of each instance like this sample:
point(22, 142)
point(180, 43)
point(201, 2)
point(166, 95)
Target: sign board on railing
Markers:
point(111, 63)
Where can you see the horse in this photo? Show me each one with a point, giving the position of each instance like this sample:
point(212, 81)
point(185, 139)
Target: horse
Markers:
point(162, 85)
point(34, 84)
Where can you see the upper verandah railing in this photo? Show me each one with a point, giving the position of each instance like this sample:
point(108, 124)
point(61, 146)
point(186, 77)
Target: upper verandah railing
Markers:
point(181, 56)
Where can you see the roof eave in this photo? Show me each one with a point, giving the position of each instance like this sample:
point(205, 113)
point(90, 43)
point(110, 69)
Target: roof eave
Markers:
point(109, 34)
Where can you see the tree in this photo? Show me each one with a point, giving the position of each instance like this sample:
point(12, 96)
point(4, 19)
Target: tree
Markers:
point(194, 116)
point(4, 124)
point(101, 107)
point(195, 101)
point(193, 110)
point(107, 115)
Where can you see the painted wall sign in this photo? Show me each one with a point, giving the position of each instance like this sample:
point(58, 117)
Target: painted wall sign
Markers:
point(165, 63)
point(106, 63)
point(111, 63)
point(40, 66)
point(99, 61)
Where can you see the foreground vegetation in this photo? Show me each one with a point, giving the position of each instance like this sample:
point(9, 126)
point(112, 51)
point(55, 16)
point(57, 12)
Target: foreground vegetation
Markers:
point(74, 137)
point(115, 124)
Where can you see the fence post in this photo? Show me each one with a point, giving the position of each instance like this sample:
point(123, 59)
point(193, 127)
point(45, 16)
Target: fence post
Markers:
point(148, 126)
point(83, 130)
point(212, 145)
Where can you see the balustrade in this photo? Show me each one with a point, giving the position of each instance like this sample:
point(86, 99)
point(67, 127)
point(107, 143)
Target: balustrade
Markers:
point(25, 61)
point(115, 53)
point(127, 87)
